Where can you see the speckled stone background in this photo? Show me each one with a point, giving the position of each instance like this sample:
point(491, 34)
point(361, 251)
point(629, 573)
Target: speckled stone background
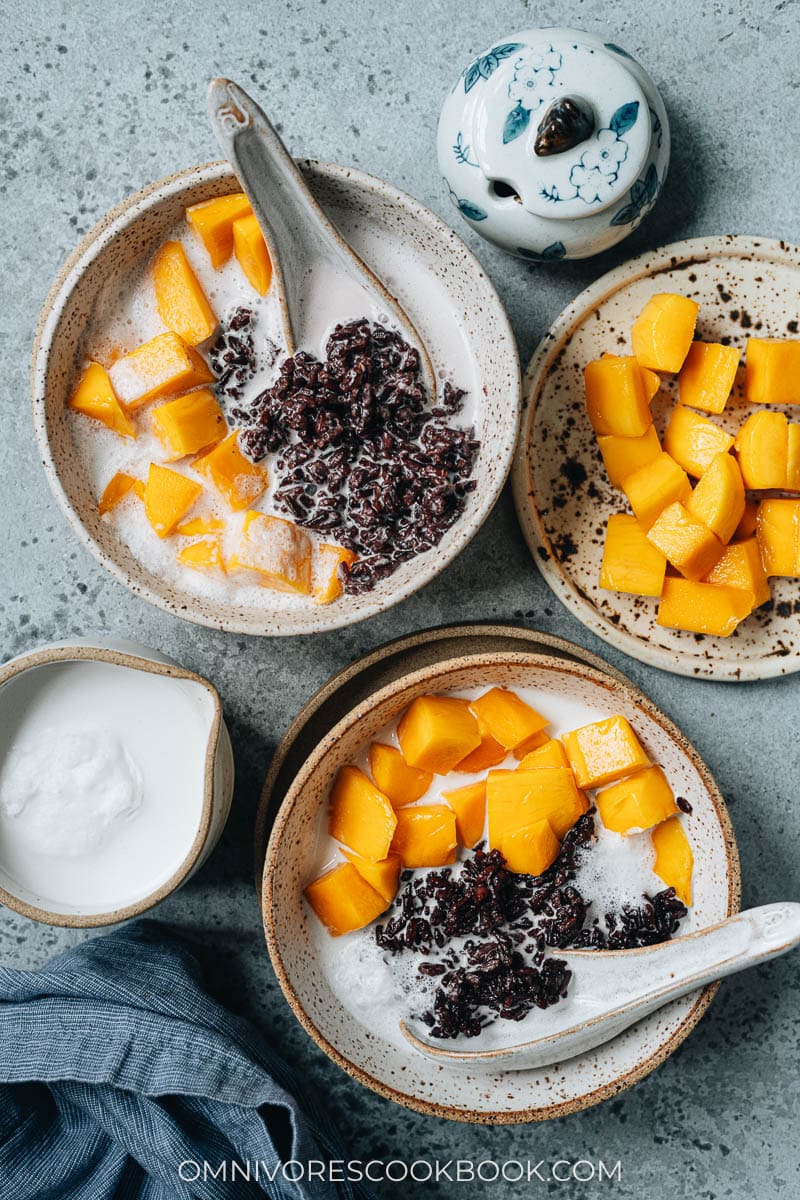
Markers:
point(98, 99)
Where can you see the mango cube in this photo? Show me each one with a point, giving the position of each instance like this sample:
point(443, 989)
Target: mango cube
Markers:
point(740, 566)
point(778, 533)
point(361, 816)
point(507, 718)
point(792, 483)
point(637, 803)
point(674, 861)
point(203, 555)
point(236, 478)
point(168, 496)
point(604, 751)
point(274, 553)
point(163, 366)
point(437, 732)
point(551, 754)
point(343, 900)
point(117, 488)
point(384, 876)
point(489, 753)
point(200, 526)
point(213, 221)
point(515, 799)
point(747, 526)
point(616, 400)
point(663, 331)
point(685, 542)
point(772, 371)
point(395, 778)
point(469, 805)
point(326, 582)
point(762, 445)
point(531, 850)
point(624, 455)
point(251, 253)
point(702, 607)
point(718, 499)
point(188, 423)
point(181, 302)
point(654, 486)
point(694, 441)
point(94, 397)
point(631, 563)
point(425, 836)
point(707, 376)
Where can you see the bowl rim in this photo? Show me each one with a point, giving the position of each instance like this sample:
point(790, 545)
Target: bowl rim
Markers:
point(47, 655)
point(436, 674)
point(123, 215)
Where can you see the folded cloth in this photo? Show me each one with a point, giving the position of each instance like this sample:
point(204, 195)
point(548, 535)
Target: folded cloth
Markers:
point(120, 1077)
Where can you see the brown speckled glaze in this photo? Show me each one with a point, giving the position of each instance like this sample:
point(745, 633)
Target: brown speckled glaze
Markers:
point(485, 1095)
point(128, 235)
point(745, 286)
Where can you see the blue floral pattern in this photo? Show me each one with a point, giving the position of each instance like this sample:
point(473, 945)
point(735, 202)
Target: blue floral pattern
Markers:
point(550, 253)
point(595, 175)
point(643, 197)
point(461, 151)
point(471, 211)
point(487, 64)
point(534, 72)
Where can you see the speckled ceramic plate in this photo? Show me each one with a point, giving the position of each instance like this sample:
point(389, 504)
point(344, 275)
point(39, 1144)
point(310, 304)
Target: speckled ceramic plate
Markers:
point(744, 286)
point(400, 1073)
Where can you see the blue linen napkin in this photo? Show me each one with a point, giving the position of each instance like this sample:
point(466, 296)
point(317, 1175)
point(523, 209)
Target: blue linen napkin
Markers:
point(116, 1067)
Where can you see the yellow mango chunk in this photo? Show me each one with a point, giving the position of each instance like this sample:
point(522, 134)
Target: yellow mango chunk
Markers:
point(117, 488)
point(395, 778)
point(384, 876)
point(654, 486)
point(343, 900)
point(694, 441)
point(188, 423)
point(94, 397)
point(489, 753)
point(515, 799)
point(707, 376)
point(181, 302)
point(551, 754)
point(636, 803)
point(437, 732)
point(663, 332)
point(251, 253)
point(469, 805)
point(531, 743)
point(530, 850)
point(616, 400)
point(718, 498)
point(168, 496)
point(326, 585)
point(274, 553)
point(624, 455)
point(762, 446)
point(507, 718)
point(650, 379)
point(213, 221)
point(199, 526)
point(778, 533)
point(425, 836)
point(604, 751)
point(235, 477)
point(361, 816)
point(772, 371)
point(674, 860)
point(702, 607)
point(685, 542)
point(740, 566)
point(163, 366)
point(793, 459)
point(631, 563)
point(747, 526)
point(203, 555)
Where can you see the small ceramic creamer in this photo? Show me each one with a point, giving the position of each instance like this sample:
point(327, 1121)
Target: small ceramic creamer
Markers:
point(554, 144)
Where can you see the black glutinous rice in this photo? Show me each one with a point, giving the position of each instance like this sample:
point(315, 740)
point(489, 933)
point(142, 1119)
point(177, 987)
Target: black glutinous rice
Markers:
point(361, 457)
point(510, 921)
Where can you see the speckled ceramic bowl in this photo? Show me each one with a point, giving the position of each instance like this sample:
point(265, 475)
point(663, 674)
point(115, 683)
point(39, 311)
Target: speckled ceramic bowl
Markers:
point(485, 1095)
point(563, 496)
point(388, 229)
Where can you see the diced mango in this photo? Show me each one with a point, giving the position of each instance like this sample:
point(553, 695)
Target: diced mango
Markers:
point(437, 732)
point(383, 876)
point(772, 371)
point(762, 445)
point(616, 400)
point(663, 332)
point(164, 366)
point(181, 302)
point(117, 488)
point(94, 397)
point(274, 554)
point(551, 754)
point(188, 423)
point(395, 778)
point(200, 526)
point(531, 743)
point(631, 563)
point(343, 900)
point(515, 799)
point(489, 753)
point(425, 836)
point(531, 850)
point(702, 607)
point(236, 478)
point(654, 486)
point(168, 496)
point(778, 533)
point(203, 555)
point(251, 253)
point(624, 455)
point(718, 498)
point(707, 375)
point(361, 816)
point(740, 566)
point(636, 803)
point(694, 441)
point(213, 221)
point(650, 379)
point(674, 861)
point(686, 542)
point(508, 719)
point(604, 751)
point(469, 805)
point(326, 584)
point(793, 459)
point(747, 526)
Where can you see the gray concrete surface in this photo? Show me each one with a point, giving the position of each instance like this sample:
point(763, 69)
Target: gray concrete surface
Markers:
point(101, 98)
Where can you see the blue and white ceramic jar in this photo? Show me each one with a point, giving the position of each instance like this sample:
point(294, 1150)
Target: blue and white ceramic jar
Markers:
point(554, 144)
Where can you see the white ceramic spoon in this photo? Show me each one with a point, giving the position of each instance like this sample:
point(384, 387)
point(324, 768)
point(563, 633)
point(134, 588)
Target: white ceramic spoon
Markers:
point(320, 280)
point(612, 990)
